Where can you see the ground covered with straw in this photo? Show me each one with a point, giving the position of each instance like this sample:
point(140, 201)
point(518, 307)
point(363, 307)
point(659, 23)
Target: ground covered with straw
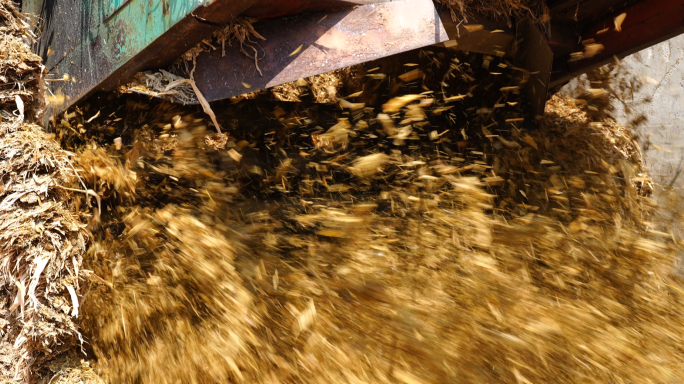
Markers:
point(422, 229)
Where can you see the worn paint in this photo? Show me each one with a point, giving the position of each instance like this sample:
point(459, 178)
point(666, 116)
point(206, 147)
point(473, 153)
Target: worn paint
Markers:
point(113, 6)
point(103, 43)
point(120, 35)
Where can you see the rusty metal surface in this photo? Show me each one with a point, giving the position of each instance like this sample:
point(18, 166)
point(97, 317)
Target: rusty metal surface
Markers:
point(278, 8)
point(339, 40)
point(585, 11)
point(103, 43)
point(647, 23)
point(534, 54)
point(113, 6)
point(563, 40)
point(480, 34)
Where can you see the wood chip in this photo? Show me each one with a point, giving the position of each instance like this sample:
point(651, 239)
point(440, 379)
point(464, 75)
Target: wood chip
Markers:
point(411, 75)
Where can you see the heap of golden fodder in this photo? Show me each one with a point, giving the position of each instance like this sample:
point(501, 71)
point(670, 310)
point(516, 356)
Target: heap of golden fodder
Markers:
point(42, 244)
point(177, 310)
point(72, 370)
point(42, 240)
point(20, 69)
point(399, 238)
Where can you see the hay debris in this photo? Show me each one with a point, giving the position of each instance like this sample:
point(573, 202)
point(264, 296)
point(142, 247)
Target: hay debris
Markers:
point(443, 241)
point(174, 85)
point(43, 244)
point(507, 10)
point(207, 303)
point(21, 71)
point(242, 30)
point(72, 370)
point(163, 84)
point(42, 236)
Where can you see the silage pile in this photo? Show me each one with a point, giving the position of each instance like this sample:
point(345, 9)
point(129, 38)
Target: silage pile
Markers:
point(420, 231)
point(42, 239)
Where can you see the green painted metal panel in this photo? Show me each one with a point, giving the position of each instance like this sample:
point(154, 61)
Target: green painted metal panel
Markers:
point(109, 41)
point(136, 25)
point(113, 5)
point(132, 26)
point(101, 44)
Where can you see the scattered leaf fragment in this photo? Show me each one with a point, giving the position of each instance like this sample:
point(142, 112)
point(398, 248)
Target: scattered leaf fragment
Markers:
point(20, 107)
point(509, 144)
point(515, 120)
point(454, 98)
point(474, 27)
point(296, 51)
point(619, 19)
point(95, 116)
point(530, 140)
point(397, 103)
point(235, 155)
point(377, 76)
point(597, 92)
point(352, 106)
point(369, 165)
point(306, 318)
point(494, 180)
point(411, 75)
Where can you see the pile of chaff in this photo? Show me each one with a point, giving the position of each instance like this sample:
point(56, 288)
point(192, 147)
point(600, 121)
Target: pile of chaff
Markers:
point(42, 238)
point(20, 69)
point(420, 231)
